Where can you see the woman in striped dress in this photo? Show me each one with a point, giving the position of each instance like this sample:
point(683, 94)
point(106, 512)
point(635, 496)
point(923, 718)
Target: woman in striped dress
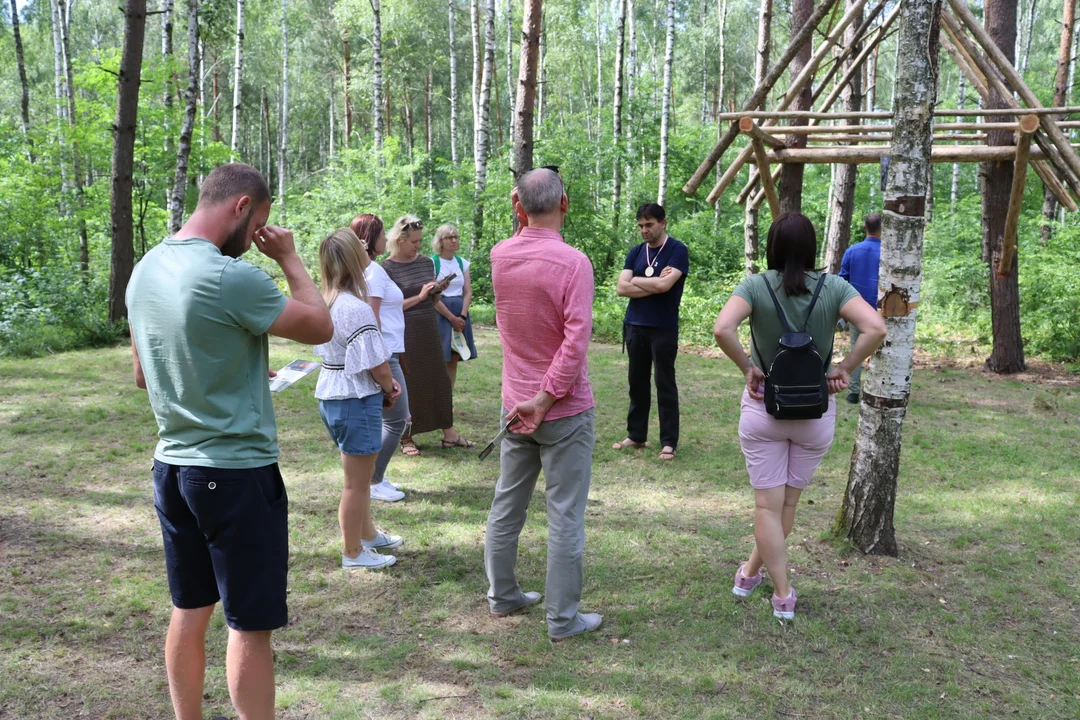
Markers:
point(430, 393)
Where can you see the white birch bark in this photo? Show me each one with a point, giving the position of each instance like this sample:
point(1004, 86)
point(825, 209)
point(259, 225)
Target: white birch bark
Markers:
point(867, 513)
point(761, 68)
point(238, 76)
point(483, 134)
point(599, 68)
point(191, 100)
point(377, 93)
point(331, 138)
point(631, 61)
point(474, 24)
point(540, 105)
point(167, 45)
point(665, 116)
point(616, 107)
point(722, 12)
point(24, 98)
point(954, 192)
point(510, 97)
point(283, 138)
point(60, 89)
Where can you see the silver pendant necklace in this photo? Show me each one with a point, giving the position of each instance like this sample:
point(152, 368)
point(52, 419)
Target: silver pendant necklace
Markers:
point(649, 263)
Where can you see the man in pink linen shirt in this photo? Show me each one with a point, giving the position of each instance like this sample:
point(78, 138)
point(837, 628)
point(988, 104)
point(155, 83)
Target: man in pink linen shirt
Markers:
point(543, 306)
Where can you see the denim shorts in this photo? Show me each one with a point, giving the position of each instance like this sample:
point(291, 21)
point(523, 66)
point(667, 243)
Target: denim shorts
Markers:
point(226, 538)
point(355, 424)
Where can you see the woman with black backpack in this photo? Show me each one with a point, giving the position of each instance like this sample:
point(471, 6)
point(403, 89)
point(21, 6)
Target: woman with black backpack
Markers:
point(788, 414)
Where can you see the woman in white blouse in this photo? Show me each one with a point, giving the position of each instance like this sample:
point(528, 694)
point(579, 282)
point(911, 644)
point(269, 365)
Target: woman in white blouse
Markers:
point(453, 309)
point(354, 386)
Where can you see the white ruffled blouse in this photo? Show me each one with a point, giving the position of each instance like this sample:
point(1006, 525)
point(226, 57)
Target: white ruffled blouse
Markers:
point(356, 348)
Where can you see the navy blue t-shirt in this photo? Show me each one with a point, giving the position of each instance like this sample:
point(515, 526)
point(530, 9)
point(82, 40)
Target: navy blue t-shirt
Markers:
point(660, 310)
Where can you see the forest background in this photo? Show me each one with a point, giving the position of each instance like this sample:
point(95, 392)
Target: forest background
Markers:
point(359, 116)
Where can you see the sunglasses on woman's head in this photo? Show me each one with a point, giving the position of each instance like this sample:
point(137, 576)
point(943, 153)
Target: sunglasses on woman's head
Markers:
point(418, 225)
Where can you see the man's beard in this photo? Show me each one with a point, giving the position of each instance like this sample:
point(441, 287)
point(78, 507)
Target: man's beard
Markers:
point(234, 242)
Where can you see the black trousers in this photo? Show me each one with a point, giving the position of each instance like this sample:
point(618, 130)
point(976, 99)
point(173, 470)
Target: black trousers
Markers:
point(647, 347)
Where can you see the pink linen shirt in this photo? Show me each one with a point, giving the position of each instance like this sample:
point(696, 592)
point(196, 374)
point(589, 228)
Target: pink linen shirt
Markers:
point(543, 307)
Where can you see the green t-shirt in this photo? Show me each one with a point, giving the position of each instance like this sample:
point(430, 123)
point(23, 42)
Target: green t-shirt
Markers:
point(199, 320)
point(766, 324)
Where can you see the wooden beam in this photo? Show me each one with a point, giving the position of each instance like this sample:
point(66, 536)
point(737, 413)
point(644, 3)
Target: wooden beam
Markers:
point(1028, 125)
point(886, 115)
point(973, 75)
point(747, 126)
point(885, 138)
point(766, 177)
point(1053, 153)
point(1053, 184)
point(759, 94)
point(864, 154)
point(838, 61)
point(1049, 126)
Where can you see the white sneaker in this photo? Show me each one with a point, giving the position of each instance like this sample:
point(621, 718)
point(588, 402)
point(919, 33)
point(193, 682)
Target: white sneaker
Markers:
point(386, 492)
point(391, 484)
point(382, 541)
point(368, 559)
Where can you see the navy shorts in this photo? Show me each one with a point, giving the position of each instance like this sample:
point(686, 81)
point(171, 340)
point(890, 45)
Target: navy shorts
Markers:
point(355, 425)
point(226, 538)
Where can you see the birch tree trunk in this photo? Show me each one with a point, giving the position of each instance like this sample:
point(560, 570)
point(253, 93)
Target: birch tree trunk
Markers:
point(1007, 355)
point(599, 69)
point(127, 110)
point(616, 108)
point(761, 68)
point(167, 46)
point(838, 235)
point(1061, 87)
point(77, 177)
point(482, 134)
point(722, 12)
point(631, 66)
point(238, 76)
point(1026, 32)
point(24, 101)
point(511, 101)
point(791, 175)
point(866, 516)
point(477, 67)
point(665, 113)
point(283, 143)
point(538, 125)
point(955, 191)
point(453, 91)
point(346, 82)
point(191, 104)
point(531, 32)
point(60, 89)
point(377, 92)
point(331, 138)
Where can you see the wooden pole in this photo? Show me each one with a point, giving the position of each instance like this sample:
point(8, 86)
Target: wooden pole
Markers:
point(884, 138)
point(1049, 126)
point(885, 115)
point(1028, 125)
point(972, 74)
point(759, 95)
point(747, 126)
point(766, 177)
point(1054, 185)
point(864, 154)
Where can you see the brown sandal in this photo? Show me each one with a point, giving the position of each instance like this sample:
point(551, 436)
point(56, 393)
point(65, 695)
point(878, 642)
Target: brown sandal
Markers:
point(628, 443)
point(459, 442)
point(667, 453)
point(408, 447)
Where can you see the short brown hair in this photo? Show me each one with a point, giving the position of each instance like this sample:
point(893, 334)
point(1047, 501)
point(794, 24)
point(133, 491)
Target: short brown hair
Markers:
point(873, 223)
point(367, 228)
point(229, 181)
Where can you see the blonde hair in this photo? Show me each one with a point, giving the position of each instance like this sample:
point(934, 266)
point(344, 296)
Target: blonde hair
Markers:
point(342, 262)
point(393, 235)
point(440, 235)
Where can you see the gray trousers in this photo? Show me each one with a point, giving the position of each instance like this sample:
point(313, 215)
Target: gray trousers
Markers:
point(393, 423)
point(563, 449)
point(855, 386)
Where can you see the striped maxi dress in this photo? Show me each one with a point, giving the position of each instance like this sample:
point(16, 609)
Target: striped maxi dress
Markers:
point(430, 397)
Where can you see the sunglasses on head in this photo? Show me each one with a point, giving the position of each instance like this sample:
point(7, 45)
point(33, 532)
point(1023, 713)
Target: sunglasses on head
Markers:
point(552, 168)
point(418, 225)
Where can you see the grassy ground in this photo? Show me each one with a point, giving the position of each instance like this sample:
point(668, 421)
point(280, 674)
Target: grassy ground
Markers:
point(977, 618)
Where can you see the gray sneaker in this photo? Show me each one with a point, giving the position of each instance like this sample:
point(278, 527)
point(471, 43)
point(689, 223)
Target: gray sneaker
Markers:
point(527, 599)
point(382, 541)
point(583, 623)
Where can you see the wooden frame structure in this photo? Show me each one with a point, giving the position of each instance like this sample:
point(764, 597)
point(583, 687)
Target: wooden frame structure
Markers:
point(1054, 159)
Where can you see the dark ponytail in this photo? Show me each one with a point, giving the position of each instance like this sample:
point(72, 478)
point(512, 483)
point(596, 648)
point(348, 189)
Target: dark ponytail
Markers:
point(792, 250)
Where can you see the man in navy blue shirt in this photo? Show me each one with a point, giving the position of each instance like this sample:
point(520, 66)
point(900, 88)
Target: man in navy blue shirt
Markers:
point(653, 279)
point(860, 268)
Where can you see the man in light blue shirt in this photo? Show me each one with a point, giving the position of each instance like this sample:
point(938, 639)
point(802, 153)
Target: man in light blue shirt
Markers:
point(860, 268)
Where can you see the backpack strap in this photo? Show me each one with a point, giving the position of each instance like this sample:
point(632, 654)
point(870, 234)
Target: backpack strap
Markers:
point(460, 264)
point(779, 310)
point(813, 300)
point(438, 265)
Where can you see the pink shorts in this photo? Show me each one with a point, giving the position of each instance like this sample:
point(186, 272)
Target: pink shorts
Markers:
point(783, 452)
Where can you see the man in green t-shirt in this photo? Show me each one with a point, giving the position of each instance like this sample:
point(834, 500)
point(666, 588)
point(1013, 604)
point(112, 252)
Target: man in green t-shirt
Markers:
point(199, 320)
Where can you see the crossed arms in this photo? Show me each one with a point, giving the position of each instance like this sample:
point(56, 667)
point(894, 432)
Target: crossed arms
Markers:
point(639, 287)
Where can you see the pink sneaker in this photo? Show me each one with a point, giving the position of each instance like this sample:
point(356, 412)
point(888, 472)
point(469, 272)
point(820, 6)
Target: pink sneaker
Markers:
point(745, 586)
point(784, 609)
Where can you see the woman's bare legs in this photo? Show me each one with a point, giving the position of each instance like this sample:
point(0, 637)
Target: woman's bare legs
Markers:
point(774, 516)
point(354, 511)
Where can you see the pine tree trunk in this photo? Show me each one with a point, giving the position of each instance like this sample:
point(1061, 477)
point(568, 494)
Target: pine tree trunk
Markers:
point(283, 144)
point(954, 193)
point(1007, 355)
point(531, 32)
point(127, 109)
point(1061, 87)
point(665, 116)
point(483, 134)
point(24, 102)
point(346, 81)
point(616, 108)
point(838, 235)
point(761, 68)
point(477, 71)
point(791, 175)
point(269, 139)
point(191, 103)
point(543, 81)
point(238, 77)
point(216, 88)
point(866, 516)
point(377, 92)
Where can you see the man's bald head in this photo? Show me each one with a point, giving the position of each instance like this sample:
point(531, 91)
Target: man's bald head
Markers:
point(540, 191)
